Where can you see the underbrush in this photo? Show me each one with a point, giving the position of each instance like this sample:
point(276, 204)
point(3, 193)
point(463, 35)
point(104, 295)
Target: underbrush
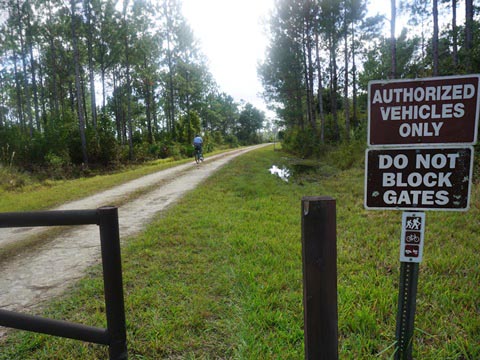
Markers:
point(24, 192)
point(11, 179)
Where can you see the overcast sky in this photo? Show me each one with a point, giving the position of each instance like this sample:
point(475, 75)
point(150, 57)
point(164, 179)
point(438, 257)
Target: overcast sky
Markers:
point(232, 36)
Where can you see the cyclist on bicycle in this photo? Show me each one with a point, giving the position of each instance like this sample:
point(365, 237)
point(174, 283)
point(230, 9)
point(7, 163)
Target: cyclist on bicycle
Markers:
point(198, 144)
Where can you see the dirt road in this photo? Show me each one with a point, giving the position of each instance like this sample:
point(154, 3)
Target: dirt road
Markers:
point(39, 273)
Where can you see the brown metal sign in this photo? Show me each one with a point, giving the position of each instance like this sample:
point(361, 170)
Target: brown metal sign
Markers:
point(422, 179)
point(441, 110)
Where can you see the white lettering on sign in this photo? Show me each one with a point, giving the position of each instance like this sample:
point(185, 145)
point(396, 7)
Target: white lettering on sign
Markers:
point(420, 129)
point(413, 180)
point(412, 197)
point(423, 112)
point(425, 161)
point(416, 179)
point(420, 94)
point(437, 161)
point(398, 161)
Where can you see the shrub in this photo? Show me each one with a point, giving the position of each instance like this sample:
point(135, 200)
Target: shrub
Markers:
point(175, 151)
point(7, 155)
point(58, 166)
point(231, 140)
point(347, 154)
point(102, 146)
point(11, 179)
point(304, 143)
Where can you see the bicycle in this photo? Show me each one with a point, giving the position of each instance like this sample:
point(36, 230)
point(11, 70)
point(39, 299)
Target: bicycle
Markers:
point(198, 154)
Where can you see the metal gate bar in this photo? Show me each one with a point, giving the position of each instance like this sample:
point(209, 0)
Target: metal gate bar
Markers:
point(115, 334)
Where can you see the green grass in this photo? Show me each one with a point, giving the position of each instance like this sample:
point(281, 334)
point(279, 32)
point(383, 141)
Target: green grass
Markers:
point(219, 276)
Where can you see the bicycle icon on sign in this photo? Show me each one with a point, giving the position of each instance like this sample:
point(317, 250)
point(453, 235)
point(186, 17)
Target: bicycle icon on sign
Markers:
point(412, 238)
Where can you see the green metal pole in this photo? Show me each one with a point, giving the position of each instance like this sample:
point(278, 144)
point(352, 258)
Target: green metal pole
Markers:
point(406, 310)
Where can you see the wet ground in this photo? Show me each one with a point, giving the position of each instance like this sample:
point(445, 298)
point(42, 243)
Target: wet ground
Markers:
point(42, 270)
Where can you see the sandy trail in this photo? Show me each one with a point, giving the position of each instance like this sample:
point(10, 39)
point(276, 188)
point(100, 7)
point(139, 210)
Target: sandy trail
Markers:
point(33, 276)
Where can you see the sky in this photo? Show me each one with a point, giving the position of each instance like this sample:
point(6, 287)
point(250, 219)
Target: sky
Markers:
point(232, 37)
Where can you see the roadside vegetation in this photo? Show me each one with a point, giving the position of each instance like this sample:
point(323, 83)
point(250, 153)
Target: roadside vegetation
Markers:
point(220, 274)
point(17, 187)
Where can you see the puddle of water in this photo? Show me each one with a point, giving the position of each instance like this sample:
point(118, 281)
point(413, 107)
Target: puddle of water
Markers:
point(282, 173)
point(302, 171)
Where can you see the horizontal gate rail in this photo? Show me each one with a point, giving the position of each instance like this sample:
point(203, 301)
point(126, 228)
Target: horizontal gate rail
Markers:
point(115, 334)
point(54, 327)
point(50, 218)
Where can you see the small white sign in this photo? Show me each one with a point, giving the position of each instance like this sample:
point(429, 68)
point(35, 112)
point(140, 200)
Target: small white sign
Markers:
point(413, 228)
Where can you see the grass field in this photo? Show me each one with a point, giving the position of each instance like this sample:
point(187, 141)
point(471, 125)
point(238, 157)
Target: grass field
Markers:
point(219, 276)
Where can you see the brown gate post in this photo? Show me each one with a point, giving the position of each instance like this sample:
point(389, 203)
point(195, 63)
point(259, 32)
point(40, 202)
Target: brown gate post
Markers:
point(113, 284)
point(319, 255)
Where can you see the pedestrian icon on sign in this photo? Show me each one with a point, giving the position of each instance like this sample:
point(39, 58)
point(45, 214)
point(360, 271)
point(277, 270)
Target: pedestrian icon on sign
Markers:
point(414, 223)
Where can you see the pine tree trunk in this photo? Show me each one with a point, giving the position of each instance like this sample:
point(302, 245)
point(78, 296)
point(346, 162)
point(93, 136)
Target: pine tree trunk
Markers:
point(313, 119)
point(117, 110)
point(354, 81)
point(307, 83)
point(148, 105)
point(171, 100)
point(18, 92)
point(334, 88)
point(129, 85)
point(320, 91)
point(468, 33)
point(43, 99)
point(32, 72)
point(393, 44)
point(88, 15)
point(2, 106)
point(26, 86)
point(435, 37)
point(78, 87)
point(346, 104)
point(53, 79)
point(454, 34)
point(53, 70)
point(104, 93)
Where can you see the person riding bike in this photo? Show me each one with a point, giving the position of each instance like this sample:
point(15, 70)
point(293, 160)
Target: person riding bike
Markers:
point(198, 144)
